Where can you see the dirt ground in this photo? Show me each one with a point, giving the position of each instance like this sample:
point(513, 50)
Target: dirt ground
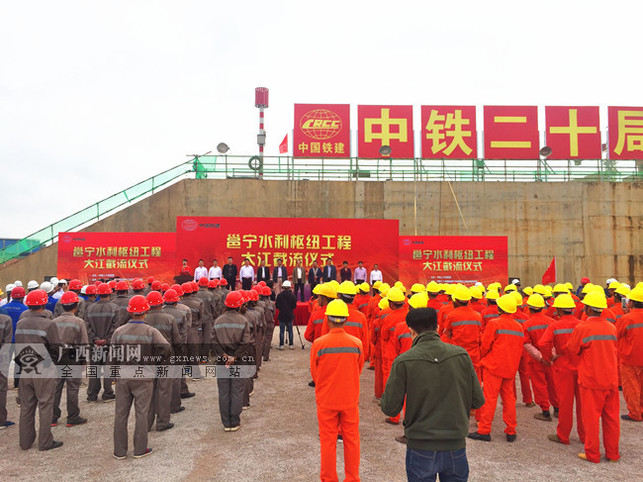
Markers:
point(278, 441)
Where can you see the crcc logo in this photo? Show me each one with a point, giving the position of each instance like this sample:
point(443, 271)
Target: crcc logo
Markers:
point(189, 225)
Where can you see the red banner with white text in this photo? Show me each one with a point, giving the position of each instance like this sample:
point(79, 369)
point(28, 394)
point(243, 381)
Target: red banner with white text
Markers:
point(447, 259)
point(89, 256)
point(373, 241)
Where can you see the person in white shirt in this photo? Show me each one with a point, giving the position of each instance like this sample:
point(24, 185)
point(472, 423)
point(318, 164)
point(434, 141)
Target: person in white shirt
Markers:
point(246, 275)
point(376, 274)
point(215, 271)
point(200, 271)
point(360, 273)
point(299, 278)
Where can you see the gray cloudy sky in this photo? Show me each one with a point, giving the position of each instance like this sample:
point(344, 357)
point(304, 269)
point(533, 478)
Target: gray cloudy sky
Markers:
point(96, 96)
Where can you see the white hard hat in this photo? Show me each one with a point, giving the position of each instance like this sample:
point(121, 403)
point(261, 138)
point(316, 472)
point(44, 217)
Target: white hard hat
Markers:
point(17, 282)
point(9, 287)
point(47, 287)
point(286, 284)
point(610, 280)
point(32, 285)
point(83, 290)
point(515, 281)
point(54, 281)
point(479, 283)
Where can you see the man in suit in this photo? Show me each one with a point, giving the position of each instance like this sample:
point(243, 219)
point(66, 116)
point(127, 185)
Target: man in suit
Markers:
point(279, 275)
point(230, 273)
point(330, 271)
point(263, 272)
point(298, 279)
point(314, 276)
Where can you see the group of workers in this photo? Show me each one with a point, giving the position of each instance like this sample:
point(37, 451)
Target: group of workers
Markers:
point(169, 330)
point(567, 349)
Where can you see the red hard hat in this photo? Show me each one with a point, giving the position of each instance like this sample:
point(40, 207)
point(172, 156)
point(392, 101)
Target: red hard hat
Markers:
point(585, 281)
point(223, 282)
point(262, 283)
point(165, 287)
point(213, 283)
point(138, 304)
point(35, 297)
point(122, 286)
point(138, 284)
point(178, 289)
point(69, 298)
point(195, 286)
point(154, 298)
point(157, 286)
point(75, 285)
point(246, 295)
point(266, 291)
point(90, 290)
point(18, 292)
point(254, 295)
point(112, 284)
point(234, 299)
point(171, 296)
point(186, 287)
point(258, 288)
point(96, 283)
point(104, 289)
point(203, 281)
point(150, 280)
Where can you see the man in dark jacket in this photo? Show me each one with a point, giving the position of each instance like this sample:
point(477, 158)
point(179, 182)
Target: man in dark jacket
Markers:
point(286, 304)
point(441, 387)
point(314, 276)
point(230, 273)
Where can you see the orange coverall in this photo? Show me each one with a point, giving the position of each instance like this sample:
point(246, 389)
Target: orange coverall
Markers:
point(402, 341)
point(354, 325)
point(542, 376)
point(442, 313)
point(377, 350)
point(314, 327)
point(463, 327)
point(489, 313)
point(565, 370)
point(594, 341)
point(361, 303)
point(387, 329)
point(523, 367)
point(336, 362)
point(502, 346)
point(629, 330)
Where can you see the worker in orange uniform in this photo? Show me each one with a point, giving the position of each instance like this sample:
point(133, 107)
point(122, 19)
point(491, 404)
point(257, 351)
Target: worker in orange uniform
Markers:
point(629, 329)
point(378, 312)
point(525, 360)
point(620, 301)
point(445, 309)
point(502, 346)
point(398, 311)
point(325, 294)
point(362, 299)
point(594, 341)
point(356, 323)
point(463, 326)
point(565, 369)
point(336, 362)
point(477, 300)
point(540, 372)
point(491, 311)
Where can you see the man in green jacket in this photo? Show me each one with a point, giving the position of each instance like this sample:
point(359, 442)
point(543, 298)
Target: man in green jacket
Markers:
point(441, 388)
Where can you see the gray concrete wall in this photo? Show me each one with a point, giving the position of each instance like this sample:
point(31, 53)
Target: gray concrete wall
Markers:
point(593, 229)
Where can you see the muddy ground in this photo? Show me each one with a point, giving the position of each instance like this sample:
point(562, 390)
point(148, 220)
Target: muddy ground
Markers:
point(278, 441)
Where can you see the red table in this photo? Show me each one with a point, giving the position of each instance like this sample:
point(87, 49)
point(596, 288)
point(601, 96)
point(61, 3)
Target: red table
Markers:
point(301, 314)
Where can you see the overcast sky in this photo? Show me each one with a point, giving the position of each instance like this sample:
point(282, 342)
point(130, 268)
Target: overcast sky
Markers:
point(96, 96)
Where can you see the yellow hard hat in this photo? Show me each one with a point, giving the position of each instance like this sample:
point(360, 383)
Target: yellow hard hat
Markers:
point(334, 284)
point(507, 303)
point(364, 287)
point(481, 286)
point(511, 287)
point(595, 300)
point(564, 301)
point(623, 290)
point(560, 288)
point(495, 284)
point(432, 287)
point(540, 289)
point(418, 288)
point(492, 295)
point(639, 284)
point(419, 300)
point(528, 290)
point(461, 293)
point(569, 286)
point(400, 286)
point(536, 301)
point(587, 288)
point(384, 287)
point(317, 290)
point(450, 289)
point(377, 284)
point(347, 288)
point(548, 291)
point(395, 295)
point(337, 308)
point(597, 289)
point(613, 285)
point(517, 296)
point(476, 292)
point(636, 294)
point(383, 304)
point(327, 290)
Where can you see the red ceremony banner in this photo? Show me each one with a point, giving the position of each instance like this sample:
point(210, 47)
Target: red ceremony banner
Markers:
point(322, 130)
point(309, 239)
point(573, 132)
point(444, 259)
point(510, 132)
point(92, 256)
point(625, 132)
point(385, 125)
point(449, 132)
